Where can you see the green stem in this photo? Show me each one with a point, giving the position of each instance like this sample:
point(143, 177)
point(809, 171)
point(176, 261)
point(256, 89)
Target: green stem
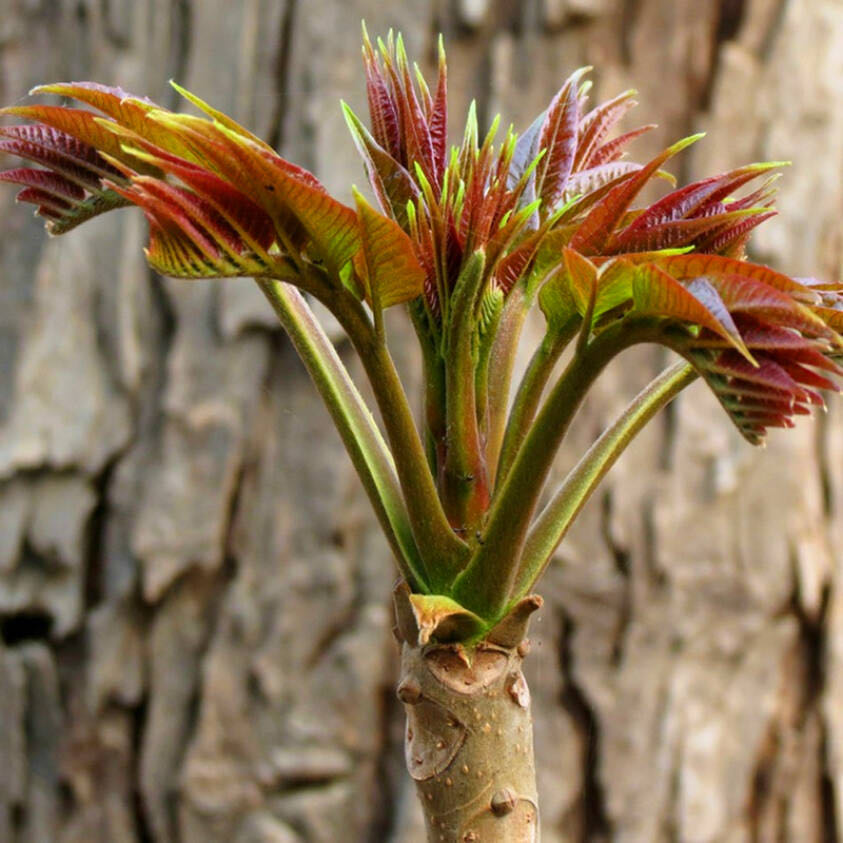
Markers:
point(481, 377)
point(353, 420)
point(465, 492)
point(530, 391)
point(552, 524)
point(501, 363)
point(484, 586)
point(443, 552)
point(433, 379)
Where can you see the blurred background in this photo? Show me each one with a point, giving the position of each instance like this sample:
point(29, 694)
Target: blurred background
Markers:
point(194, 598)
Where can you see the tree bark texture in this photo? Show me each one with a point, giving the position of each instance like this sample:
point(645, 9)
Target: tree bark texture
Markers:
point(194, 599)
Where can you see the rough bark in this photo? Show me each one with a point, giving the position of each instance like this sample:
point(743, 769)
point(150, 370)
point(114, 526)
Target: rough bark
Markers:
point(194, 599)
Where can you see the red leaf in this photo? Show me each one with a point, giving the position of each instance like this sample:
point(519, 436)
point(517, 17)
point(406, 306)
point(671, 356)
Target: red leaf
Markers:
point(657, 293)
point(285, 191)
point(595, 178)
point(695, 265)
point(802, 374)
point(742, 293)
point(614, 149)
point(59, 152)
point(765, 336)
point(602, 219)
point(188, 237)
point(559, 138)
point(46, 182)
point(439, 115)
point(767, 374)
point(392, 184)
point(82, 125)
point(239, 211)
point(511, 267)
point(680, 232)
point(726, 240)
point(415, 136)
point(382, 109)
point(45, 200)
point(598, 122)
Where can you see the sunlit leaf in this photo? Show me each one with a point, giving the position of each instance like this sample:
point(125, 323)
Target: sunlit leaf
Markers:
point(598, 226)
point(558, 137)
point(656, 293)
point(392, 184)
point(392, 272)
point(598, 122)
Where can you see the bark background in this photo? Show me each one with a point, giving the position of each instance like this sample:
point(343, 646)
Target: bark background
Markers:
point(193, 595)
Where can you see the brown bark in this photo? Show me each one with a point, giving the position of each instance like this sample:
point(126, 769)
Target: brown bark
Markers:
point(193, 594)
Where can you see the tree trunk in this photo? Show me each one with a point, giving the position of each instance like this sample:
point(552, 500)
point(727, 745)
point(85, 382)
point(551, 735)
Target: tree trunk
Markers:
point(468, 742)
point(194, 598)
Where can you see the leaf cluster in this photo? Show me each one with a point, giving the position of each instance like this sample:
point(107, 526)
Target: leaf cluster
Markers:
point(468, 238)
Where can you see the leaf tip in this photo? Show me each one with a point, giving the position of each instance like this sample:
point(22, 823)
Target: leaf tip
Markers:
point(179, 89)
point(359, 198)
point(684, 143)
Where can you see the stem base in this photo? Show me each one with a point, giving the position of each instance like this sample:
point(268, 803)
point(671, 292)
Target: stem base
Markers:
point(469, 742)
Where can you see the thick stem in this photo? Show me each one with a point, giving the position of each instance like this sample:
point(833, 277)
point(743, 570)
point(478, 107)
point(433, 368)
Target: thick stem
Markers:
point(530, 392)
point(469, 742)
point(501, 364)
point(465, 493)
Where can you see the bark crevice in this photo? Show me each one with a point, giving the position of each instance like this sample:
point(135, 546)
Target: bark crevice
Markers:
point(589, 820)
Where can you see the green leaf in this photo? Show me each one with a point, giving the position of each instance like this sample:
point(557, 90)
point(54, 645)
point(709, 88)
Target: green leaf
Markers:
point(569, 291)
point(219, 116)
point(581, 275)
point(548, 259)
point(614, 286)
